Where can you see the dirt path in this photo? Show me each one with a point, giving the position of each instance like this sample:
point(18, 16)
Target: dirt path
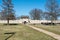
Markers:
point(46, 32)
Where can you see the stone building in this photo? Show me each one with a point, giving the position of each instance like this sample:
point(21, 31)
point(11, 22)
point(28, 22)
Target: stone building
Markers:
point(24, 18)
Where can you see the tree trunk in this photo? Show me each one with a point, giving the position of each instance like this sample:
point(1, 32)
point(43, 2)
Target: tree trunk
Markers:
point(51, 22)
point(8, 21)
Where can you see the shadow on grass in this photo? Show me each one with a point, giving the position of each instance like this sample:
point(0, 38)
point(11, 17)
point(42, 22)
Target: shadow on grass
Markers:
point(10, 24)
point(50, 23)
point(9, 33)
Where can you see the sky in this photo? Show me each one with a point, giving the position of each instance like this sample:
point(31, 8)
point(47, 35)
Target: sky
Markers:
point(23, 7)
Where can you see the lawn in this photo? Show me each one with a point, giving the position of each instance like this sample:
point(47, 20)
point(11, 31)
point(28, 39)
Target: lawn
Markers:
point(22, 32)
point(51, 28)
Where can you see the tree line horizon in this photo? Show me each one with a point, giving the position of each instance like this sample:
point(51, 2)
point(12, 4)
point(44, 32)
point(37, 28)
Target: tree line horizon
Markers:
point(52, 13)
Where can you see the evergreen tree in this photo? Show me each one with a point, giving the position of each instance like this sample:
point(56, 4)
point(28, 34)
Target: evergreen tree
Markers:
point(8, 8)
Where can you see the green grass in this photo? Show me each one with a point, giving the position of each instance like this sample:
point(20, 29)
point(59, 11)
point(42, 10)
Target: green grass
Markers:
point(22, 33)
point(51, 28)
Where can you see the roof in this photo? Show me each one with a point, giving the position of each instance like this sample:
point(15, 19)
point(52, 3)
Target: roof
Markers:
point(24, 17)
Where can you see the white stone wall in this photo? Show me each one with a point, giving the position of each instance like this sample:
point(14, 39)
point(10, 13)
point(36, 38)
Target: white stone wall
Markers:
point(3, 21)
point(31, 21)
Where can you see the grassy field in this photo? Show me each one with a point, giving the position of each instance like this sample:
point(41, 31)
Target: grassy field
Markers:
point(22, 33)
point(51, 28)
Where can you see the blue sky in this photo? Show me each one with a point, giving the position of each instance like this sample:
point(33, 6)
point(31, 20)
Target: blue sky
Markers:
point(23, 7)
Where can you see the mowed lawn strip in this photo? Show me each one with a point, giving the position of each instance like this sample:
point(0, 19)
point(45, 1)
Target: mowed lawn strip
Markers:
point(22, 33)
point(52, 28)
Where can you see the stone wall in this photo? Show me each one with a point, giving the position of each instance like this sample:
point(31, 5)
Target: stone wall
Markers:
point(28, 21)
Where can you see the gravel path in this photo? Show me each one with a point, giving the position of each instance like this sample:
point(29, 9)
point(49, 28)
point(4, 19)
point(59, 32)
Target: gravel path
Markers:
point(56, 36)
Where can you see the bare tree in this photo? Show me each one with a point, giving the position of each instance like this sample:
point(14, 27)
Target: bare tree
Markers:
point(46, 16)
point(3, 15)
point(52, 9)
point(8, 8)
point(35, 14)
